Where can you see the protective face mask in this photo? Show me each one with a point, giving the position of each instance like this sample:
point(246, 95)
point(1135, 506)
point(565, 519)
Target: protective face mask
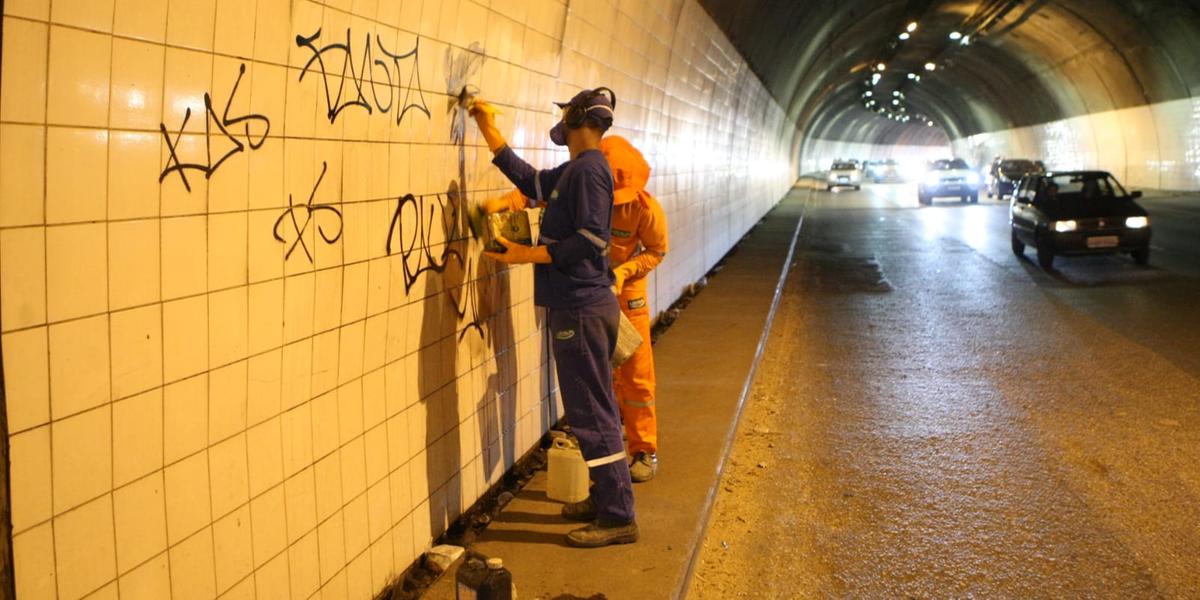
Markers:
point(558, 134)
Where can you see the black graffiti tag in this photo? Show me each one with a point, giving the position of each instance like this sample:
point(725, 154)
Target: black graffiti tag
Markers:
point(310, 210)
point(370, 75)
point(223, 123)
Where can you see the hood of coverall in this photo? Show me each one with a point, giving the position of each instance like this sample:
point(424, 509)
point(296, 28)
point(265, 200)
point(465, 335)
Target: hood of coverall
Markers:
point(630, 170)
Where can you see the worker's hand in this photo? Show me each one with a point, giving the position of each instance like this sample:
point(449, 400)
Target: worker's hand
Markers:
point(495, 205)
point(516, 254)
point(620, 275)
point(485, 117)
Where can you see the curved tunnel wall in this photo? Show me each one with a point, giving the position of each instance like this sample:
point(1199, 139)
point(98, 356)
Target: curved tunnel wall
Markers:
point(1083, 83)
point(248, 343)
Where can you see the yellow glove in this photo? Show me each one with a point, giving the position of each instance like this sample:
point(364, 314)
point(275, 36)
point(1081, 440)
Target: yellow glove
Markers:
point(517, 254)
point(620, 274)
point(485, 116)
point(495, 205)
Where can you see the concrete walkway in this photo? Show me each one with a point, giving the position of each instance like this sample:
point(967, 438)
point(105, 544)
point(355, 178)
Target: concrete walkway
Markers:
point(702, 362)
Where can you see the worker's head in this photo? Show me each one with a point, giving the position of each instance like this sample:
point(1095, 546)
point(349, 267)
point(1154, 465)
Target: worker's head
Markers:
point(629, 168)
point(585, 117)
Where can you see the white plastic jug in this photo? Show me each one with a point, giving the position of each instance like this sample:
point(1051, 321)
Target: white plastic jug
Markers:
point(567, 473)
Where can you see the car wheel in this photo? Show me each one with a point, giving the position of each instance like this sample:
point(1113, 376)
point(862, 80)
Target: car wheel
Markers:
point(829, 188)
point(857, 188)
point(1018, 247)
point(1045, 253)
point(1142, 257)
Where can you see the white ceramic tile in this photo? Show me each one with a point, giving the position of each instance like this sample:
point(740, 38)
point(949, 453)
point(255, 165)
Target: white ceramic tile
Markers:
point(22, 174)
point(185, 337)
point(184, 248)
point(29, 457)
point(33, 563)
point(78, 84)
point(185, 418)
point(24, 66)
point(331, 546)
point(136, 337)
point(227, 250)
point(297, 430)
point(228, 331)
point(27, 378)
point(82, 458)
point(193, 574)
point(133, 269)
point(227, 388)
point(137, 436)
point(76, 274)
point(76, 174)
point(228, 475)
point(141, 522)
point(23, 277)
point(190, 24)
point(137, 77)
point(264, 386)
point(150, 581)
point(79, 377)
point(232, 548)
point(84, 549)
point(187, 497)
point(303, 565)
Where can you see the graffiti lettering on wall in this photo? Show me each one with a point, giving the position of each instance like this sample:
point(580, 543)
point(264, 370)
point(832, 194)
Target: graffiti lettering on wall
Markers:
point(310, 211)
point(371, 75)
point(255, 129)
point(414, 231)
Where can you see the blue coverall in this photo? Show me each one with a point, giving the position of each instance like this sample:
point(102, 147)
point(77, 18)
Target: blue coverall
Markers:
point(576, 289)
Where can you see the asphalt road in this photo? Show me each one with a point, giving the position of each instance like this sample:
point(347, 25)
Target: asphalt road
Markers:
point(937, 418)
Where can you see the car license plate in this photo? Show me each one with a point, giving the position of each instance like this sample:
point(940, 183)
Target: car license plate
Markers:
point(844, 179)
point(1103, 241)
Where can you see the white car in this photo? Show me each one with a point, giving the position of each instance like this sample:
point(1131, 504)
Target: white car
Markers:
point(844, 174)
point(949, 178)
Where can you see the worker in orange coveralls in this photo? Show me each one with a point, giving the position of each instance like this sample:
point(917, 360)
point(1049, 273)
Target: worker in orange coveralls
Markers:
point(639, 243)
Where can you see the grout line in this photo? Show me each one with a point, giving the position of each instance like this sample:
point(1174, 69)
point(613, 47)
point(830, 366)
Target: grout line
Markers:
point(46, 283)
point(162, 337)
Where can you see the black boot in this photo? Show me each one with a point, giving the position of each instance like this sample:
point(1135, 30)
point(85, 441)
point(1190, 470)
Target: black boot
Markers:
point(603, 533)
point(584, 510)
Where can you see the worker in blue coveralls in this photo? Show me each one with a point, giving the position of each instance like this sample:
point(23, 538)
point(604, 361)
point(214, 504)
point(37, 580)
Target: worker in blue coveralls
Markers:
point(573, 281)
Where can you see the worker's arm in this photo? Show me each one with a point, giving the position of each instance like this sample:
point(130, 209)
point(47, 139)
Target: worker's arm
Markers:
point(513, 201)
point(591, 191)
point(534, 184)
point(652, 234)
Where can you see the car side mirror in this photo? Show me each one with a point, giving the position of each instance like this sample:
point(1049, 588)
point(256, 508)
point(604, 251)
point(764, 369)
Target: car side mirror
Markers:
point(1135, 195)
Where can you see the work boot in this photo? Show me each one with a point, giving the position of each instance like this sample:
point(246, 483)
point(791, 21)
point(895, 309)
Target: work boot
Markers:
point(643, 467)
point(584, 510)
point(602, 533)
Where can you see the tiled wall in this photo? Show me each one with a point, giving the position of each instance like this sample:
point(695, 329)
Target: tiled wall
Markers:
point(240, 359)
point(1155, 146)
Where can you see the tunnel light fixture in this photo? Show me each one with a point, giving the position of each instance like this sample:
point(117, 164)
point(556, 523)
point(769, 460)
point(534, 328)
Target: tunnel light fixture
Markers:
point(881, 67)
point(966, 40)
point(868, 93)
point(929, 123)
point(954, 35)
point(914, 77)
point(911, 27)
point(904, 36)
point(875, 78)
point(896, 93)
point(930, 66)
point(896, 102)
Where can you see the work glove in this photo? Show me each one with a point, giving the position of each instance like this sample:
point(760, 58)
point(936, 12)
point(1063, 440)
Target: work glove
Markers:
point(485, 117)
point(516, 254)
point(620, 274)
point(495, 205)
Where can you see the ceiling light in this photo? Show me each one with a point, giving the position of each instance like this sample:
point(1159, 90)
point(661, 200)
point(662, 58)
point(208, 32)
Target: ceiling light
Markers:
point(868, 93)
point(875, 78)
point(904, 36)
point(911, 27)
point(896, 102)
point(880, 67)
point(930, 66)
point(966, 40)
point(954, 35)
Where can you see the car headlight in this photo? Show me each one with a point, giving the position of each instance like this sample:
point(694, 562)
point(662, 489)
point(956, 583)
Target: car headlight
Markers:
point(1065, 226)
point(973, 178)
point(1137, 222)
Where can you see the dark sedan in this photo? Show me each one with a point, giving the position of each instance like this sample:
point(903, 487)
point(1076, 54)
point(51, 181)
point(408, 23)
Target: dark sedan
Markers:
point(1006, 173)
point(1078, 212)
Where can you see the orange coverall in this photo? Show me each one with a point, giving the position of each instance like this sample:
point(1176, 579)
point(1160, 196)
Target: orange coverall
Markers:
point(639, 243)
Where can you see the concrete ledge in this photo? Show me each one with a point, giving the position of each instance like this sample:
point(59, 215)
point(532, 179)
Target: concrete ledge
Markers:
point(702, 363)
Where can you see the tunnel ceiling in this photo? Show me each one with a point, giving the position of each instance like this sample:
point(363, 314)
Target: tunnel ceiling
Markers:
point(1017, 62)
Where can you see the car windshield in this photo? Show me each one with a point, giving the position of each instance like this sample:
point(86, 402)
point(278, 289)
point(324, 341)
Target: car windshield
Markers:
point(1082, 186)
point(843, 166)
point(1018, 166)
point(947, 165)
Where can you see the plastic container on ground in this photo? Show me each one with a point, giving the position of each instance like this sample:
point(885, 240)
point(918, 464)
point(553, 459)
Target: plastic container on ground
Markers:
point(477, 580)
point(567, 472)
